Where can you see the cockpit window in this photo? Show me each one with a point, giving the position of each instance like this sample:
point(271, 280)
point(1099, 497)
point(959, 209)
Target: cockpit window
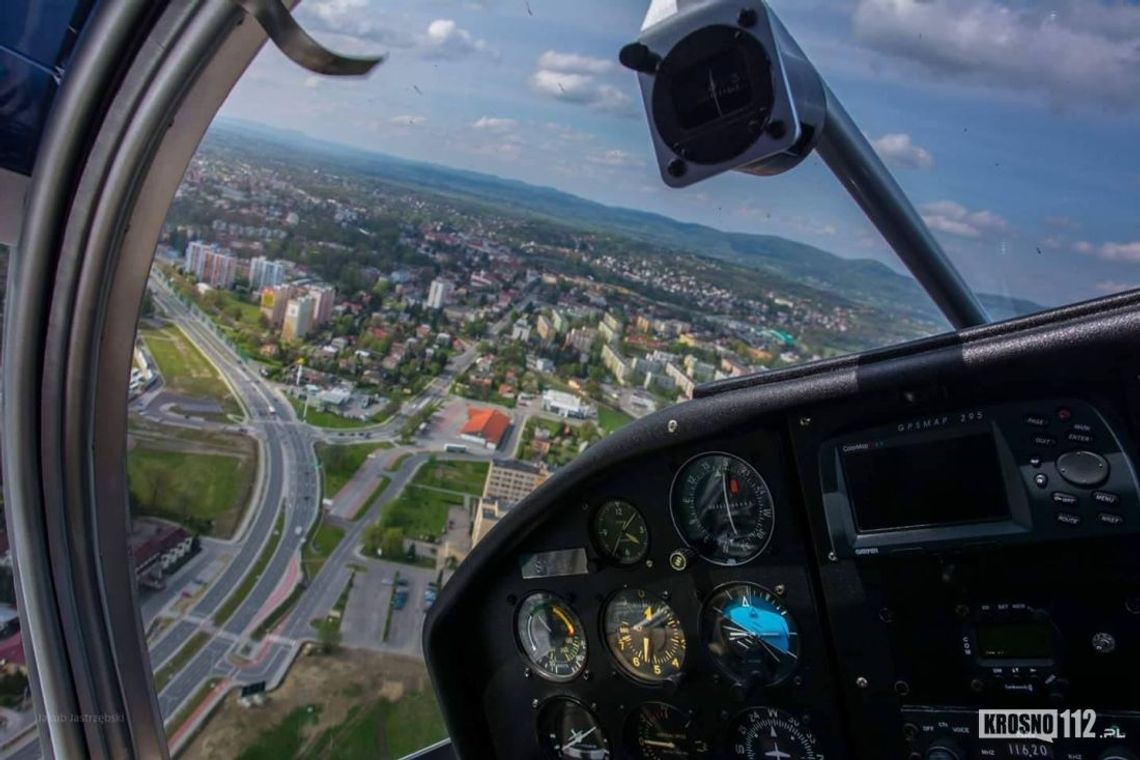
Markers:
point(385, 310)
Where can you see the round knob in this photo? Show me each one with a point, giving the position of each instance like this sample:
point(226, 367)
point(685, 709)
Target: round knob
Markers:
point(943, 749)
point(1117, 753)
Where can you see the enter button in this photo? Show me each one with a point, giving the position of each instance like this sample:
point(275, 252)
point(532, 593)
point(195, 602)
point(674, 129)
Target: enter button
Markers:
point(1083, 468)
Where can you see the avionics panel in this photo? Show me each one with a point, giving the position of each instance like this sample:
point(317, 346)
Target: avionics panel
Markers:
point(1049, 470)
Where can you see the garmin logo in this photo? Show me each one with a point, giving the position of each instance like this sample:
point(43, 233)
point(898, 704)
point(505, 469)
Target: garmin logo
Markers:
point(927, 424)
point(849, 447)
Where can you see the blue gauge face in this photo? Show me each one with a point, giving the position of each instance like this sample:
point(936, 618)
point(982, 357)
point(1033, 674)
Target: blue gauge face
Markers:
point(750, 635)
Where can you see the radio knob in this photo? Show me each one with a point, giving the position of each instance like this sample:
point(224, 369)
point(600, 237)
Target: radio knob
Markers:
point(943, 749)
point(1117, 753)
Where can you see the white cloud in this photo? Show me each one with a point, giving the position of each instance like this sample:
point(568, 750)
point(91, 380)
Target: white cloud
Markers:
point(614, 157)
point(408, 120)
point(312, 82)
point(445, 39)
point(493, 124)
point(899, 151)
point(573, 63)
point(1128, 252)
point(584, 89)
point(1085, 52)
point(956, 219)
point(354, 23)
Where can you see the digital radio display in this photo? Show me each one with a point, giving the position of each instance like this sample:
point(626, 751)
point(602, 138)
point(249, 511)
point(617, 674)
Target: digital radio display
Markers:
point(1013, 641)
point(914, 485)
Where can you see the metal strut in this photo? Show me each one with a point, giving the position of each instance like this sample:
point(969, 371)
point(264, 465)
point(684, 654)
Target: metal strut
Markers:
point(301, 48)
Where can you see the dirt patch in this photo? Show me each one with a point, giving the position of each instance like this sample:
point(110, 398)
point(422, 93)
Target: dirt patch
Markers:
point(334, 682)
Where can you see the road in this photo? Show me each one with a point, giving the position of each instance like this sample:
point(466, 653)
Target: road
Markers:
point(289, 488)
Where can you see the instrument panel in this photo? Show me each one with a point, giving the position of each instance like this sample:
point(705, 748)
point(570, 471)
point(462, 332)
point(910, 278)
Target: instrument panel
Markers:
point(756, 576)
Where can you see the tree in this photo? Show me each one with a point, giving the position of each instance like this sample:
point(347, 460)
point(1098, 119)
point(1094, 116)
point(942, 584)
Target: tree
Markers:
point(328, 633)
point(392, 542)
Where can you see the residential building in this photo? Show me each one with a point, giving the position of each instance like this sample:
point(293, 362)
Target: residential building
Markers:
point(544, 328)
point(620, 367)
point(273, 302)
point(558, 321)
point(485, 426)
point(520, 331)
point(324, 296)
point(582, 338)
point(510, 481)
point(266, 273)
point(157, 546)
point(609, 333)
point(487, 515)
point(210, 264)
point(298, 318)
point(439, 294)
point(684, 383)
point(613, 322)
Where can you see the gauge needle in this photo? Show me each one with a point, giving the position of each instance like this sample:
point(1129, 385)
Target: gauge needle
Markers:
point(724, 490)
point(712, 91)
point(632, 538)
point(645, 646)
point(577, 736)
point(622, 534)
point(654, 743)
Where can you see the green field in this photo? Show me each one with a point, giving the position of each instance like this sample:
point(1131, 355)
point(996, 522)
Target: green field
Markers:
point(419, 511)
point(185, 370)
point(610, 419)
point(319, 547)
point(286, 738)
point(204, 489)
point(340, 462)
point(319, 418)
point(465, 477)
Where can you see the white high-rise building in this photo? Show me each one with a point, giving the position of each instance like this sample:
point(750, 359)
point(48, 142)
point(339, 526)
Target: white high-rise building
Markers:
point(439, 294)
point(265, 273)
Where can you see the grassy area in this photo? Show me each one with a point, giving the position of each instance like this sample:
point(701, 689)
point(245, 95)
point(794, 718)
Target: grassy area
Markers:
point(385, 481)
point(318, 548)
point(398, 462)
point(284, 739)
point(419, 511)
point(465, 477)
point(610, 419)
point(196, 484)
point(555, 442)
point(178, 661)
point(247, 583)
point(320, 418)
point(185, 370)
point(340, 462)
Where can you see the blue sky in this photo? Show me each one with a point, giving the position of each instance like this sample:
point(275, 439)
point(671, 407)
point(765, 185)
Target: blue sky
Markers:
point(1013, 126)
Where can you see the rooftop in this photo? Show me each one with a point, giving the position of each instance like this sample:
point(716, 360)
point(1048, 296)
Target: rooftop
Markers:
point(489, 424)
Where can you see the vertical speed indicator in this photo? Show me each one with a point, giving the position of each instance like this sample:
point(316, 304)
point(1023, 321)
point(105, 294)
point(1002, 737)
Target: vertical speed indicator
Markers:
point(722, 508)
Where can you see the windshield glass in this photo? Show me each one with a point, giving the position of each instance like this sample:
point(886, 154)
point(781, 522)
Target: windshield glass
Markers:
point(385, 310)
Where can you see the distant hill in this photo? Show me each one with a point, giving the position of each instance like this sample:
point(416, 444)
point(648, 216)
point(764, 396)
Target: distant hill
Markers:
point(862, 280)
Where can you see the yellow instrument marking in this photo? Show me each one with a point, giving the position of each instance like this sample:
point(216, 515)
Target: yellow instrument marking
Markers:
point(564, 618)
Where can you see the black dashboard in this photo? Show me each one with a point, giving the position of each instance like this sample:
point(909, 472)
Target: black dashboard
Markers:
point(851, 563)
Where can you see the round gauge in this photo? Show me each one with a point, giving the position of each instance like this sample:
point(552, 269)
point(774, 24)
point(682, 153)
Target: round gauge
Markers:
point(750, 634)
point(551, 636)
point(722, 508)
point(644, 635)
point(762, 733)
point(620, 533)
point(568, 730)
point(657, 731)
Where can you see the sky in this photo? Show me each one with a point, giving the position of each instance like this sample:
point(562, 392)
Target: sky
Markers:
point(1012, 126)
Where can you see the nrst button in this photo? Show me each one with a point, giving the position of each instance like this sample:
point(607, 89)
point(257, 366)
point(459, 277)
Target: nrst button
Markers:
point(1083, 468)
point(1108, 518)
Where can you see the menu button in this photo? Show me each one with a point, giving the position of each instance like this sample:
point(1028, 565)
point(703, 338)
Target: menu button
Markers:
point(1105, 497)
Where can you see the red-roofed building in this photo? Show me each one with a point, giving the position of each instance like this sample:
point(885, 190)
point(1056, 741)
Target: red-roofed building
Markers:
point(486, 426)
